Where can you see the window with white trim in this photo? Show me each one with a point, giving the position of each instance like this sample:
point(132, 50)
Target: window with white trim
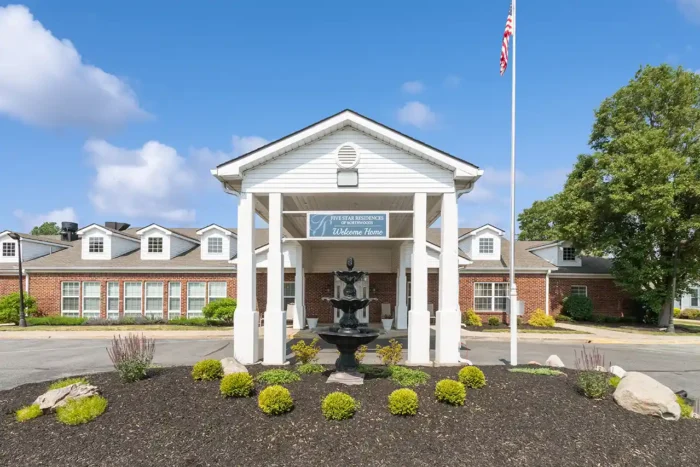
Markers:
point(154, 300)
point(217, 291)
point(486, 246)
point(174, 301)
point(289, 293)
point(70, 299)
point(568, 253)
point(695, 296)
point(215, 245)
point(490, 296)
point(132, 298)
point(155, 244)
point(96, 245)
point(91, 299)
point(579, 290)
point(112, 300)
point(9, 249)
point(196, 298)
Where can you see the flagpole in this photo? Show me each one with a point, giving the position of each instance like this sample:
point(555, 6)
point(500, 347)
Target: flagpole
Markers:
point(513, 288)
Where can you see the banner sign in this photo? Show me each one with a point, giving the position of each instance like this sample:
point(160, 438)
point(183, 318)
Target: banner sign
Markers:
point(348, 225)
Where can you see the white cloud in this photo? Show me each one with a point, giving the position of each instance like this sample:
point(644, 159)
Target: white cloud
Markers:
point(30, 220)
point(412, 87)
point(151, 182)
point(45, 82)
point(690, 9)
point(205, 159)
point(453, 81)
point(245, 144)
point(417, 114)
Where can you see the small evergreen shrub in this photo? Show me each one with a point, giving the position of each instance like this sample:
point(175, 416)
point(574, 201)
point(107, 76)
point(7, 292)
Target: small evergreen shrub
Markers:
point(390, 354)
point(578, 307)
point(690, 313)
point(408, 376)
point(593, 384)
point(237, 385)
point(676, 312)
point(374, 371)
point(472, 377)
point(686, 409)
point(278, 376)
point(563, 318)
point(470, 318)
point(132, 356)
point(360, 353)
point(338, 406)
point(537, 371)
point(220, 310)
point(79, 411)
point(29, 412)
point(67, 382)
point(614, 381)
point(306, 353)
point(403, 402)
point(310, 368)
point(207, 370)
point(540, 320)
point(494, 321)
point(275, 400)
point(54, 321)
point(9, 307)
point(451, 392)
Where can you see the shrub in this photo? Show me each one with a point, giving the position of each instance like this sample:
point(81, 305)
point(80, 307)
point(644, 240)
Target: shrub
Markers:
point(686, 409)
point(403, 402)
point(451, 392)
point(237, 385)
point(275, 400)
point(494, 321)
point(132, 356)
point(614, 381)
point(67, 382)
point(540, 320)
point(470, 318)
point(28, 412)
point(563, 318)
point(193, 322)
point(578, 307)
point(598, 319)
point(338, 406)
point(537, 371)
point(278, 377)
point(676, 312)
point(310, 368)
point(390, 354)
point(207, 370)
point(593, 384)
point(360, 353)
point(407, 376)
point(79, 411)
point(589, 361)
point(9, 307)
point(220, 310)
point(472, 377)
point(374, 371)
point(690, 313)
point(306, 353)
point(54, 321)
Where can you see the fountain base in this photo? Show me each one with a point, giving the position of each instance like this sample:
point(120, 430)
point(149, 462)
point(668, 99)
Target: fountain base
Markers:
point(348, 379)
point(347, 342)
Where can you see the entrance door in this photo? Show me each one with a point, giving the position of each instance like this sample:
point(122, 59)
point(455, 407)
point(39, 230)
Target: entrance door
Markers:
point(362, 288)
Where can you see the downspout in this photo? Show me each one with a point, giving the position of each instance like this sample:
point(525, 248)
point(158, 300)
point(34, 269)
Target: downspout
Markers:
point(26, 281)
point(546, 292)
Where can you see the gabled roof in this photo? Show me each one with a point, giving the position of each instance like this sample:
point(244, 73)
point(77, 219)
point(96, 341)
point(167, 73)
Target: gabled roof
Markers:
point(479, 229)
point(215, 227)
point(118, 233)
point(46, 239)
point(545, 244)
point(168, 232)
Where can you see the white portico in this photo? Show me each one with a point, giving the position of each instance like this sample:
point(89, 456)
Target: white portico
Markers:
point(347, 186)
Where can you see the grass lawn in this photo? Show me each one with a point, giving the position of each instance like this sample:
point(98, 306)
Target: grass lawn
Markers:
point(128, 327)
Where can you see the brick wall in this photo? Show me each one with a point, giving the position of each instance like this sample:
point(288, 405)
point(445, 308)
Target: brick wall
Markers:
point(9, 284)
point(531, 289)
point(608, 298)
point(261, 289)
point(319, 285)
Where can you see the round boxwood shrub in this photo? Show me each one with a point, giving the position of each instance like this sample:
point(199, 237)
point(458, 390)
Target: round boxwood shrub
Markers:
point(494, 321)
point(451, 392)
point(470, 318)
point(79, 411)
point(578, 307)
point(275, 400)
point(403, 402)
point(207, 370)
point(237, 385)
point(220, 310)
point(472, 377)
point(338, 406)
point(541, 320)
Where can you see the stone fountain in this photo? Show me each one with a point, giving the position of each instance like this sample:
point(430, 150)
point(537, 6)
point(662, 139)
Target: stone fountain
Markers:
point(348, 335)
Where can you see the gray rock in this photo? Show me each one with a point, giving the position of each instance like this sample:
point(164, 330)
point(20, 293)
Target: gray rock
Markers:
point(554, 362)
point(601, 368)
point(642, 394)
point(617, 371)
point(50, 400)
point(348, 379)
point(532, 362)
point(231, 365)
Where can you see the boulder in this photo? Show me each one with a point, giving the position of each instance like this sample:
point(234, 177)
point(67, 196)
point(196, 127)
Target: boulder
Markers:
point(617, 371)
point(231, 365)
point(601, 368)
point(554, 362)
point(640, 393)
point(50, 400)
point(532, 362)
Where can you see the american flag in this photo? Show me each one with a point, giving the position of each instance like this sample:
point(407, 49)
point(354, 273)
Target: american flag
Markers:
point(506, 38)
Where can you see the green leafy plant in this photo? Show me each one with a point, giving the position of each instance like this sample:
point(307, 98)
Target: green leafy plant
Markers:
point(278, 376)
point(690, 313)
point(390, 354)
point(470, 318)
point(494, 321)
point(237, 385)
point(472, 377)
point(338, 406)
point(207, 370)
point(563, 318)
point(220, 310)
point(306, 353)
point(28, 412)
point(132, 356)
point(310, 368)
point(541, 320)
point(79, 411)
point(589, 361)
point(614, 381)
point(537, 371)
point(593, 384)
point(54, 321)
point(275, 400)
point(686, 409)
point(407, 376)
point(451, 392)
point(67, 382)
point(676, 312)
point(360, 353)
point(374, 371)
point(578, 307)
point(403, 402)
point(9, 307)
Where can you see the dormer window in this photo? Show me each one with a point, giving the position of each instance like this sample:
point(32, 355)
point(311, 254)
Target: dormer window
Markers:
point(96, 245)
point(486, 246)
point(155, 244)
point(8, 249)
point(215, 245)
point(568, 253)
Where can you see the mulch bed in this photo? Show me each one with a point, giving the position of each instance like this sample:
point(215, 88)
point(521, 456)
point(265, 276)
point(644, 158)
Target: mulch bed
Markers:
point(488, 327)
point(518, 419)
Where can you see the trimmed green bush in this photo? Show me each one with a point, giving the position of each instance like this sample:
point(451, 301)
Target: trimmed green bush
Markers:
point(537, 371)
point(540, 320)
point(614, 381)
point(578, 307)
point(54, 321)
point(470, 318)
point(338, 406)
point(563, 318)
point(67, 382)
point(306, 353)
point(403, 402)
point(79, 411)
point(472, 377)
point(275, 400)
point(237, 385)
point(686, 409)
point(593, 384)
point(374, 371)
point(9, 307)
point(451, 392)
point(278, 377)
point(28, 412)
point(220, 310)
point(207, 370)
point(310, 368)
point(408, 377)
point(676, 312)
point(494, 321)
point(690, 313)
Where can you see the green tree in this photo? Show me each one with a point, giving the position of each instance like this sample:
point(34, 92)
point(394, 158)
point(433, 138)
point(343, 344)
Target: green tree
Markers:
point(537, 221)
point(222, 309)
point(47, 228)
point(9, 307)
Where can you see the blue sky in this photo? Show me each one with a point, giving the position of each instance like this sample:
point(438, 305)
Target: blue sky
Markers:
point(116, 110)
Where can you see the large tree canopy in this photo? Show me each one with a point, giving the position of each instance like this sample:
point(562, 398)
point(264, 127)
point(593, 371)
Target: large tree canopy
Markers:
point(637, 197)
point(47, 228)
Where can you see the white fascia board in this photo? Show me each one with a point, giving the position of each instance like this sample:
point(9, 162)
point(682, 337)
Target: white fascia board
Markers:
point(580, 275)
point(483, 227)
point(546, 245)
point(167, 232)
point(32, 240)
point(82, 231)
point(215, 227)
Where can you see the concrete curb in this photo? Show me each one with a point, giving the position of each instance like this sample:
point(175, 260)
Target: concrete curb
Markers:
point(77, 335)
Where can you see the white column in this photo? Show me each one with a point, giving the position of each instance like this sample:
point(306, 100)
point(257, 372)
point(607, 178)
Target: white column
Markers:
point(246, 340)
point(546, 292)
point(419, 317)
point(447, 318)
point(401, 305)
point(275, 345)
point(298, 318)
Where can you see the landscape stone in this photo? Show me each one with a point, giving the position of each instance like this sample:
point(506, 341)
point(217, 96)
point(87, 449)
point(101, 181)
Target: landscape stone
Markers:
point(349, 379)
point(554, 361)
point(50, 400)
point(231, 365)
point(617, 371)
point(532, 362)
point(642, 394)
point(601, 368)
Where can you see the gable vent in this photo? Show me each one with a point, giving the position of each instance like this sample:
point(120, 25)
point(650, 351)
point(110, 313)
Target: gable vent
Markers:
point(348, 156)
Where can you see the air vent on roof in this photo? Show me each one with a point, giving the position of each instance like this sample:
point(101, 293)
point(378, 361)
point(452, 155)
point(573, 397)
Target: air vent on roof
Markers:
point(348, 156)
point(69, 231)
point(118, 226)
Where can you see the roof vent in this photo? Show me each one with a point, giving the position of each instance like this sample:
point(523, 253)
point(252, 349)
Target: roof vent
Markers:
point(348, 156)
